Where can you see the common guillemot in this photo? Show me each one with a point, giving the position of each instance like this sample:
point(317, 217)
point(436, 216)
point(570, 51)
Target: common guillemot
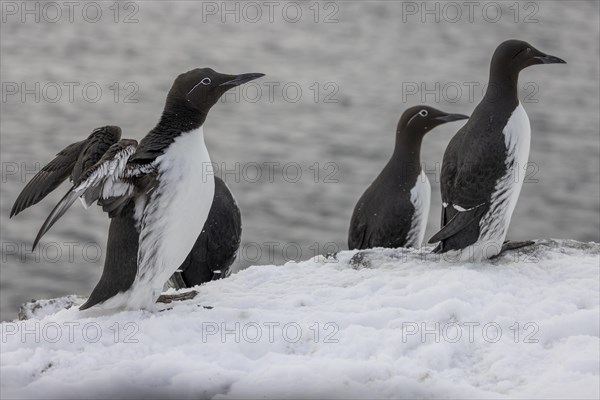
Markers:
point(484, 163)
point(393, 211)
point(168, 178)
point(211, 257)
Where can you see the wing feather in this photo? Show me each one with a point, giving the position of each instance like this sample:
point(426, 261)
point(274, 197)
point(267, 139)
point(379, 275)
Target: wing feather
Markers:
point(72, 161)
point(103, 180)
point(49, 178)
point(458, 222)
point(59, 210)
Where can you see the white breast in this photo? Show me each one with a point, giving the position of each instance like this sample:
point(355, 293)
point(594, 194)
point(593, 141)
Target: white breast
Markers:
point(173, 216)
point(420, 197)
point(494, 225)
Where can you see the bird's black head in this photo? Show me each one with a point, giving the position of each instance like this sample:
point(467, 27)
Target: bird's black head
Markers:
point(512, 56)
point(112, 133)
point(418, 120)
point(199, 89)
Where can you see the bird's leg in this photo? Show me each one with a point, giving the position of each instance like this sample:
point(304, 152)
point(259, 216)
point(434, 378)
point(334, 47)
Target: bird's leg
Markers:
point(169, 298)
point(513, 245)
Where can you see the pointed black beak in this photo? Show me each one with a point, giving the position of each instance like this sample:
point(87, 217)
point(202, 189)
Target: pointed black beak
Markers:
point(452, 117)
point(241, 79)
point(548, 59)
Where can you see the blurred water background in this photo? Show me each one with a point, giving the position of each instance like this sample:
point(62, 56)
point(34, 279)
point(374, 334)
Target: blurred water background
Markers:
point(338, 76)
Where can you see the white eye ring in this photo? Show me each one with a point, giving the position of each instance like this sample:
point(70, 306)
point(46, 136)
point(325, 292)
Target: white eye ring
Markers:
point(205, 81)
point(423, 113)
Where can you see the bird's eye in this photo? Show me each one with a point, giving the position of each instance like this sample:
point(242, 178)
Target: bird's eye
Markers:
point(423, 113)
point(205, 81)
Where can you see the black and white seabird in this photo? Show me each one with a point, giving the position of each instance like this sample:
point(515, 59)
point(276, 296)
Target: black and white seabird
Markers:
point(211, 257)
point(169, 179)
point(393, 211)
point(484, 163)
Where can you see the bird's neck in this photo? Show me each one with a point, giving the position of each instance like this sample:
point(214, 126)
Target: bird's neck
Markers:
point(181, 118)
point(407, 153)
point(502, 86)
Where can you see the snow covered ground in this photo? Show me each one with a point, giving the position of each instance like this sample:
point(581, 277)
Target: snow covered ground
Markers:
point(396, 324)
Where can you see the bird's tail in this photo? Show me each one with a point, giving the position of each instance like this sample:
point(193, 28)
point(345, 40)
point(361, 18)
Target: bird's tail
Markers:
point(459, 221)
point(439, 248)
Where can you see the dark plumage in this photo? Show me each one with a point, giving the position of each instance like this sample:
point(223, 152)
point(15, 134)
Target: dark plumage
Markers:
point(384, 215)
point(69, 162)
point(90, 193)
point(477, 157)
point(120, 263)
point(211, 258)
point(117, 176)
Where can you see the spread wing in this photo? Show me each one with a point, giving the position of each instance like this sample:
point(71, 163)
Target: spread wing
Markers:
point(110, 178)
point(71, 161)
point(49, 178)
point(97, 145)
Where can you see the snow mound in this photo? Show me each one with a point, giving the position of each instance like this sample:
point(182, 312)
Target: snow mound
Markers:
point(379, 324)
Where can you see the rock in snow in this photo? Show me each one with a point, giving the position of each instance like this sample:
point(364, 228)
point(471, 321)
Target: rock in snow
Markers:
point(385, 324)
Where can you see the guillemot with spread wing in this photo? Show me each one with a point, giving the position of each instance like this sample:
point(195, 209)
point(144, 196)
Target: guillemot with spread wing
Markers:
point(169, 179)
point(211, 257)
